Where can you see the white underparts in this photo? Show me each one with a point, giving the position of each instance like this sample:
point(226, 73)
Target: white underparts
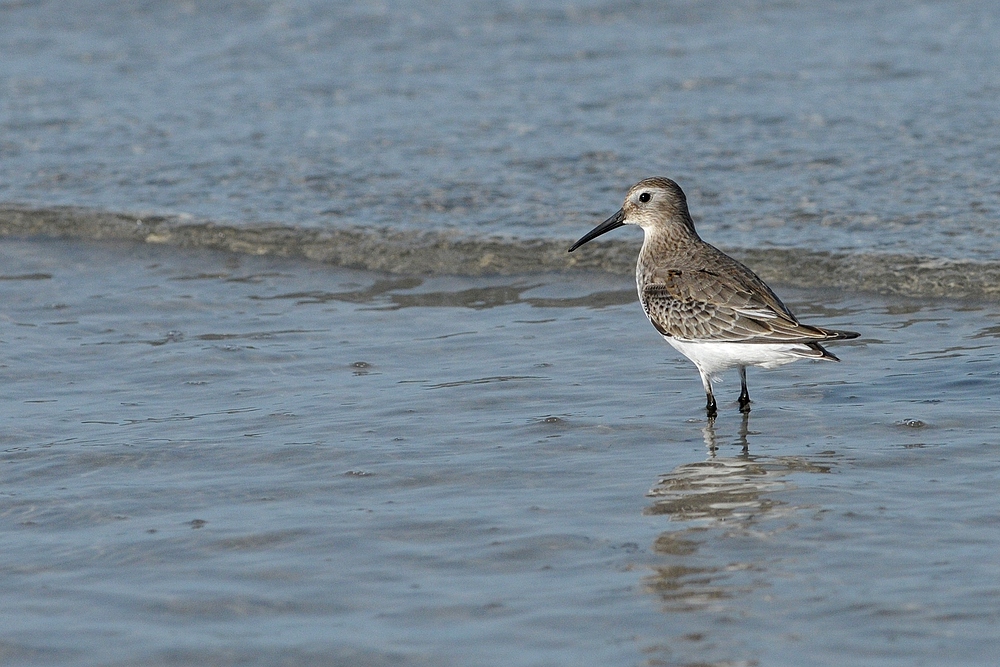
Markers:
point(714, 358)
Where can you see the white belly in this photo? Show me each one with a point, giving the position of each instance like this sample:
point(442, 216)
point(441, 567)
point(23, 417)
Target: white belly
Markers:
point(714, 358)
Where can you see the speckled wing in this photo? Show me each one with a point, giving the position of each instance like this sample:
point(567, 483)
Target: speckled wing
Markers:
point(700, 305)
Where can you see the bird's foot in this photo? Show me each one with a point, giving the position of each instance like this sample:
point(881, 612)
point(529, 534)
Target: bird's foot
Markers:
point(711, 409)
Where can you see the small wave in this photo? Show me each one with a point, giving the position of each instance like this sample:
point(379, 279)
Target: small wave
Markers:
point(452, 253)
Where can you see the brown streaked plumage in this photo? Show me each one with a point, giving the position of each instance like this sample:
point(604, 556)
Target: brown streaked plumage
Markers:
point(708, 306)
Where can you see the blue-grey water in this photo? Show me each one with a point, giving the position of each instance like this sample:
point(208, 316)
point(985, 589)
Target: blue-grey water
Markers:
point(225, 460)
point(852, 125)
point(481, 453)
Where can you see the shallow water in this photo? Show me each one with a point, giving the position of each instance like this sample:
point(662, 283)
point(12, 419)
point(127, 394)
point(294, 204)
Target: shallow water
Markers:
point(852, 126)
point(221, 459)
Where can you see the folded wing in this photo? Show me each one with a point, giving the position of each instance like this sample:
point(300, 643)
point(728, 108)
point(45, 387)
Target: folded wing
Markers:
point(700, 305)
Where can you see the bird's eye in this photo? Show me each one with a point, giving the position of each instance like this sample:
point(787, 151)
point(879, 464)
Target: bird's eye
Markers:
point(644, 197)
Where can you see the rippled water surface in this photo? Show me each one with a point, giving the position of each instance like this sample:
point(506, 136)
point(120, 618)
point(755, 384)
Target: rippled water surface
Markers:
point(851, 125)
point(220, 459)
point(229, 459)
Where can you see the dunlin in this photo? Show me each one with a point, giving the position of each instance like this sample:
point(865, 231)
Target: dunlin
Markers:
point(709, 307)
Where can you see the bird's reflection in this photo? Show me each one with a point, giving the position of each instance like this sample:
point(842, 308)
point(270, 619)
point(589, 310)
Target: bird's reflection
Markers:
point(711, 439)
point(738, 493)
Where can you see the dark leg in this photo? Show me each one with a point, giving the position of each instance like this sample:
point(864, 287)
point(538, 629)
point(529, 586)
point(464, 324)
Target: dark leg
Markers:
point(710, 407)
point(744, 394)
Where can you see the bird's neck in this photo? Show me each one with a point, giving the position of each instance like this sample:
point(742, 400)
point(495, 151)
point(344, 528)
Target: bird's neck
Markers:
point(677, 238)
point(665, 248)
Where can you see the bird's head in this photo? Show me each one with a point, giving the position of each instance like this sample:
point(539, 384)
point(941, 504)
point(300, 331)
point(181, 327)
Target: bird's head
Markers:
point(652, 203)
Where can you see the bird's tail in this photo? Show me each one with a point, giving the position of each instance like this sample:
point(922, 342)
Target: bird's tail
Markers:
point(813, 350)
point(837, 334)
point(820, 352)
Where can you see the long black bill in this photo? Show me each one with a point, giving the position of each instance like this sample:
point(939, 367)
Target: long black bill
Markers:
point(614, 222)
